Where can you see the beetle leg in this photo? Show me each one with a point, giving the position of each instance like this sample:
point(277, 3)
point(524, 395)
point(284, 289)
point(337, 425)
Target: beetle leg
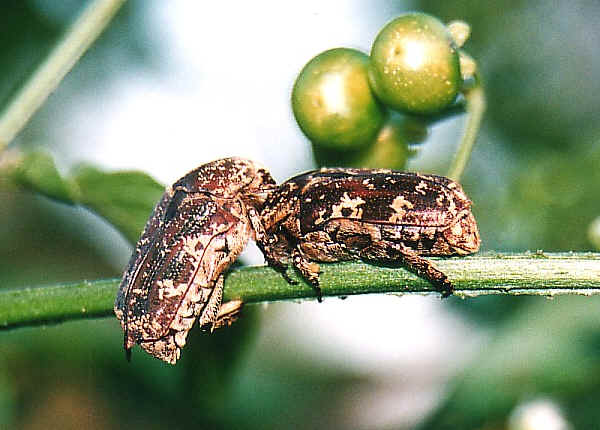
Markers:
point(264, 241)
point(208, 314)
point(229, 312)
point(259, 230)
point(318, 246)
point(390, 253)
point(309, 270)
point(276, 260)
point(276, 250)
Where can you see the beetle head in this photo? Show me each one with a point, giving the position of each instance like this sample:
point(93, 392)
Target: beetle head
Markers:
point(463, 235)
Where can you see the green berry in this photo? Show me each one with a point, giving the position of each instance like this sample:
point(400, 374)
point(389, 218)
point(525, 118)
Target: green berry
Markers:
point(415, 65)
point(333, 103)
point(390, 150)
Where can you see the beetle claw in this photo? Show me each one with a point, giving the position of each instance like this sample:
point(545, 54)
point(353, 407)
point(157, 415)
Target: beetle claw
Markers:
point(319, 293)
point(446, 289)
point(288, 278)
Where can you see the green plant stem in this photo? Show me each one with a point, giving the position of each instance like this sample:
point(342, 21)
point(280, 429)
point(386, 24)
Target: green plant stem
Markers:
point(514, 274)
point(50, 73)
point(475, 107)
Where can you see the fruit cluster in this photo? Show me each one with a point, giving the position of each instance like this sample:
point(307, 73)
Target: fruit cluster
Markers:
point(343, 99)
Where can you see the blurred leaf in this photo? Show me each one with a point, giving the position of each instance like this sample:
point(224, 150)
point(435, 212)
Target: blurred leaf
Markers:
point(548, 349)
point(558, 197)
point(124, 199)
point(38, 172)
point(45, 242)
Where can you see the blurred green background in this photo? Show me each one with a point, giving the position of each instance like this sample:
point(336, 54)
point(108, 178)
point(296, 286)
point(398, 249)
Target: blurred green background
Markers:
point(167, 88)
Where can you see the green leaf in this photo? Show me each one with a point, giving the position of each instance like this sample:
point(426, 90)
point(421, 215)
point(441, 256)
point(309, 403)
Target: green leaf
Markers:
point(125, 199)
point(37, 172)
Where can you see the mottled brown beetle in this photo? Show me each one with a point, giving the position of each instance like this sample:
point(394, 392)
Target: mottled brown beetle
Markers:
point(381, 216)
point(198, 228)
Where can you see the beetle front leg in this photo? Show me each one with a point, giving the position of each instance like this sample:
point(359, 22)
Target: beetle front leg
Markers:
point(309, 270)
point(265, 243)
point(277, 254)
point(387, 252)
point(260, 236)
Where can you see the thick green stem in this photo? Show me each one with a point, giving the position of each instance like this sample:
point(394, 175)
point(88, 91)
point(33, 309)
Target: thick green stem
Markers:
point(475, 107)
point(515, 274)
point(50, 73)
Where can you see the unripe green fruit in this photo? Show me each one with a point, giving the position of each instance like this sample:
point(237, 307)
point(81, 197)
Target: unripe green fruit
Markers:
point(390, 150)
point(415, 65)
point(333, 103)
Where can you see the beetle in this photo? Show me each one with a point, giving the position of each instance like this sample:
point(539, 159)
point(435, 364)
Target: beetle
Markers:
point(378, 215)
point(175, 275)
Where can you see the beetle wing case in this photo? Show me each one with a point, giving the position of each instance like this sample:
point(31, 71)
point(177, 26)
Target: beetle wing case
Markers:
point(403, 204)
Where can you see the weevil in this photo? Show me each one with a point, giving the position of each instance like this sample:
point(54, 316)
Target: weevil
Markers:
point(175, 275)
point(381, 216)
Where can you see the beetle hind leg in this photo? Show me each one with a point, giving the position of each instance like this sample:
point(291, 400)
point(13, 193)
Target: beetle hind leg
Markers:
point(427, 270)
point(385, 252)
point(210, 309)
point(229, 312)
